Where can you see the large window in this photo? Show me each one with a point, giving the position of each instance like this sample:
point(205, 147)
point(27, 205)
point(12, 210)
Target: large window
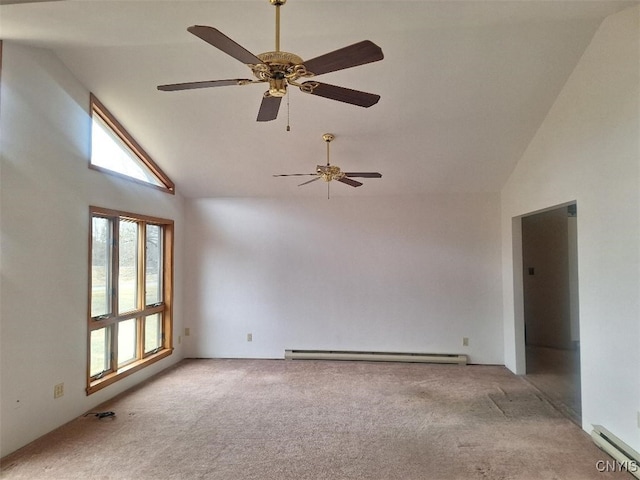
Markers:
point(130, 294)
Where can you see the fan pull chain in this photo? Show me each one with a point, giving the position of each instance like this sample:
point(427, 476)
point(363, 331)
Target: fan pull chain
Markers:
point(288, 126)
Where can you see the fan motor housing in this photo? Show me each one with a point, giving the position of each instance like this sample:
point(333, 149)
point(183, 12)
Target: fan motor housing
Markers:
point(329, 172)
point(279, 68)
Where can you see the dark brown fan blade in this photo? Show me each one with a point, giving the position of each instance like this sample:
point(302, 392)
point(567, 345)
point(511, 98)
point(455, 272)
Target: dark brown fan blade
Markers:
point(348, 181)
point(206, 84)
point(294, 174)
point(269, 109)
point(347, 57)
point(341, 94)
point(363, 174)
point(10, 2)
point(222, 42)
point(312, 180)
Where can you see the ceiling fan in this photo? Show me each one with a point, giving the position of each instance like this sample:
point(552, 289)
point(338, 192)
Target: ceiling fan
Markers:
point(282, 69)
point(330, 172)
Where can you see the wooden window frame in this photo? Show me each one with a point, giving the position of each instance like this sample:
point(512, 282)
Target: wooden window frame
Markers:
point(115, 373)
point(116, 127)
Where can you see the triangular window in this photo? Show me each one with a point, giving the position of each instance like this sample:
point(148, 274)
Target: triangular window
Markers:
point(114, 151)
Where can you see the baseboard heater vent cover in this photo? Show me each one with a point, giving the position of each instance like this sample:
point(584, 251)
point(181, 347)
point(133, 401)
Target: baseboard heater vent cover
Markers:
point(375, 356)
point(625, 457)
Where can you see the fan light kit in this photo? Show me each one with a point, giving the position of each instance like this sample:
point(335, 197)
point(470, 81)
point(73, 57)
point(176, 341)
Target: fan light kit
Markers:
point(330, 172)
point(282, 69)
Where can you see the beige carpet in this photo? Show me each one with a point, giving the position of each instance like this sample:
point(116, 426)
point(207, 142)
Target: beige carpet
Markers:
point(277, 419)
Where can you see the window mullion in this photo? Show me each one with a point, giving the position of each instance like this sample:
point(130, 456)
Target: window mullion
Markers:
point(115, 267)
point(115, 280)
point(142, 294)
point(114, 347)
point(167, 286)
point(142, 263)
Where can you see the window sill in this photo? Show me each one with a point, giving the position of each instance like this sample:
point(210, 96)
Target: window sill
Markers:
point(127, 370)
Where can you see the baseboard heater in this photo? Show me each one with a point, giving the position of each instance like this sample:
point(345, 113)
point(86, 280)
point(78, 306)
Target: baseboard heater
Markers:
point(375, 356)
point(625, 458)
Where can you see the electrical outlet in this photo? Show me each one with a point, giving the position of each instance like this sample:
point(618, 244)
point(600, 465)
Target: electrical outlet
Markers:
point(249, 337)
point(179, 339)
point(639, 419)
point(58, 390)
point(465, 341)
point(187, 332)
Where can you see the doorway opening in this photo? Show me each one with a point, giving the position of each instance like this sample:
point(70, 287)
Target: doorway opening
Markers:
point(551, 316)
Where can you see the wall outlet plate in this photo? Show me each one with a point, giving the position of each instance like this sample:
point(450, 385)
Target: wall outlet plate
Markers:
point(58, 390)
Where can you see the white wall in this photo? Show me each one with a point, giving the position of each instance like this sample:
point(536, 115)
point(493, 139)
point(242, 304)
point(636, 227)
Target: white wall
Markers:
point(46, 190)
point(588, 150)
point(409, 274)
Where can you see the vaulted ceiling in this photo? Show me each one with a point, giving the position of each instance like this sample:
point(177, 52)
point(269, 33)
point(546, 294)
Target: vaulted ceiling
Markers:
point(464, 85)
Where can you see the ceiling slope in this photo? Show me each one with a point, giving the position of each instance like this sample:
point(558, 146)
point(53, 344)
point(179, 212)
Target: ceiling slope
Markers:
point(464, 85)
